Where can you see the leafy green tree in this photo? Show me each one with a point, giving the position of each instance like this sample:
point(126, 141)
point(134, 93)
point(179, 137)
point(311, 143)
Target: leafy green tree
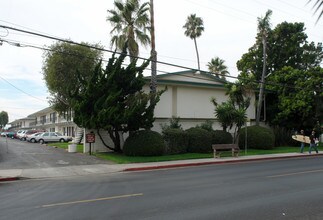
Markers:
point(300, 101)
point(239, 93)
point(130, 22)
point(61, 65)
point(4, 119)
point(217, 67)
point(233, 111)
point(229, 115)
point(112, 99)
point(193, 29)
point(287, 47)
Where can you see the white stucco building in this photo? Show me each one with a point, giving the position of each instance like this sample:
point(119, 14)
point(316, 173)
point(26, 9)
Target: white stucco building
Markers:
point(187, 96)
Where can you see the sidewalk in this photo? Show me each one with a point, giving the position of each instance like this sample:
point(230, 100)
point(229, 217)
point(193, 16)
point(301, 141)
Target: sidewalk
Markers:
point(82, 170)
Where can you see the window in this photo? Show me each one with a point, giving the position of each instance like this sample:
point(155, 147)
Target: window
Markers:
point(43, 119)
point(52, 117)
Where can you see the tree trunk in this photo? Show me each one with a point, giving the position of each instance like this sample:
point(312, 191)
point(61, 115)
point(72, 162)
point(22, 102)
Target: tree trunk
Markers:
point(153, 53)
point(262, 82)
point(115, 137)
point(197, 55)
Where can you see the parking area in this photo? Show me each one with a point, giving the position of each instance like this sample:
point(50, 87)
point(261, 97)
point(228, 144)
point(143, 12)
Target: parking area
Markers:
point(16, 154)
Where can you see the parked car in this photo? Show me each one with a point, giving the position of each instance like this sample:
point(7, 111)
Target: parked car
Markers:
point(9, 134)
point(32, 138)
point(20, 134)
point(29, 133)
point(52, 137)
point(4, 134)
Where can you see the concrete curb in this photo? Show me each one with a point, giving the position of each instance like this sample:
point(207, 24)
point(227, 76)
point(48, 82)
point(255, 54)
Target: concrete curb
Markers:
point(20, 174)
point(178, 165)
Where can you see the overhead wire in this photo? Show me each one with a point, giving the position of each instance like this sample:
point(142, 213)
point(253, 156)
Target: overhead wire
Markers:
point(145, 59)
point(161, 71)
point(21, 89)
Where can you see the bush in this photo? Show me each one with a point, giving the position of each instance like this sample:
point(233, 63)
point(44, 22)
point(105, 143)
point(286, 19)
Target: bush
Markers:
point(221, 137)
point(257, 138)
point(144, 143)
point(207, 125)
point(176, 141)
point(199, 140)
point(173, 123)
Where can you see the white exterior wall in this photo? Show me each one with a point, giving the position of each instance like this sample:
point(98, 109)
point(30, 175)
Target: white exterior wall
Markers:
point(195, 102)
point(98, 146)
point(164, 106)
point(192, 105)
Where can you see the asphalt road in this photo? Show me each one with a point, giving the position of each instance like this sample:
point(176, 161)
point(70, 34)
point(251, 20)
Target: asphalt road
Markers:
point(16, 154)
point(280, 189)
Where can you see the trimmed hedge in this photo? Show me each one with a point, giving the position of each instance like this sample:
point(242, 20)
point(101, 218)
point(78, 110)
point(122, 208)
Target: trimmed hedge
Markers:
point(221, 137)
point(176, 141)
point(257, 138)
point(199, 140)
point(144, 143)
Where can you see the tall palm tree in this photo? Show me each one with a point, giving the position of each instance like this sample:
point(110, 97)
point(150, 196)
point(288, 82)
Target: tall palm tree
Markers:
point(317, 5)
point(217, 67)
point(263, 29)
point(130, 21)
point(194, 27)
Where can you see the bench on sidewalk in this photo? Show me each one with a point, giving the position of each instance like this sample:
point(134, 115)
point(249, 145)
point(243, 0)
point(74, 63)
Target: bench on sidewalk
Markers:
point(225, 147)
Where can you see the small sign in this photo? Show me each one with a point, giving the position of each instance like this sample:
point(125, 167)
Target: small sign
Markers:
point(90, 138)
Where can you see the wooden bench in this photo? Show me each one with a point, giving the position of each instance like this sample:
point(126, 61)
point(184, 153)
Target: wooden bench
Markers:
point(225, 147)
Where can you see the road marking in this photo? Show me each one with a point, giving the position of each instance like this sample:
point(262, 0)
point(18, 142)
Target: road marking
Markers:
point(92, 200)
point(297, 173)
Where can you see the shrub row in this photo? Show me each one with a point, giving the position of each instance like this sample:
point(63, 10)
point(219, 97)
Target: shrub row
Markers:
point(193, 140)
point(257, 138)
point(173, 141)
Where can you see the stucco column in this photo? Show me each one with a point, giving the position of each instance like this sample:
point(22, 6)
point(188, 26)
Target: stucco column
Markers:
point(174, 101)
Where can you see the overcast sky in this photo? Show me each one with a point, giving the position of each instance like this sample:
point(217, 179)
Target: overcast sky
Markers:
point(230, 29)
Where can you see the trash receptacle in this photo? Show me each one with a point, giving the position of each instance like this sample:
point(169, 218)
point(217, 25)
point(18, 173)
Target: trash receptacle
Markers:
point(72, 148)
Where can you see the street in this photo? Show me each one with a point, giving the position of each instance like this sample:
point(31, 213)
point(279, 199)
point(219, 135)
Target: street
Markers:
point(280, 189)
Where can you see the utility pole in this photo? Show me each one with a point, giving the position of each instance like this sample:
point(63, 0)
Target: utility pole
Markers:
point(153, 53)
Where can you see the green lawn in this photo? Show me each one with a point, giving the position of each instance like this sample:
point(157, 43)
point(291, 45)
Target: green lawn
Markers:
point(122, 159)
point(79, 147)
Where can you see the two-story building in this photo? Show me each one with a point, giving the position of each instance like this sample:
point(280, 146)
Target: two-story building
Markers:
point(49, 120)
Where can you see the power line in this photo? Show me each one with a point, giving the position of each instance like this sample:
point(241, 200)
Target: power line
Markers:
point(21, 89)
point(110, 51)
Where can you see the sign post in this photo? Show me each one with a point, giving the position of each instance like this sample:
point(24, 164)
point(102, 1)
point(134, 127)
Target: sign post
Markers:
point(90, 138)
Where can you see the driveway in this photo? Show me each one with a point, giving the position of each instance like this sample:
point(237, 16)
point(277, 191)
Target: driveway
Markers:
point(15, 154)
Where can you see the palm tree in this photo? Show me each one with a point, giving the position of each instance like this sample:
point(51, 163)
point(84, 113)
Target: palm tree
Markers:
point(263, 29)
point(130, 21)
point(317, 5)
point(194, 28)
point(216, 66)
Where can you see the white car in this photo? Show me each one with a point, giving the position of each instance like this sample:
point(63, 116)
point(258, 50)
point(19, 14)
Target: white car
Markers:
point(32, 138)
point(20, 134)
point(52, 137)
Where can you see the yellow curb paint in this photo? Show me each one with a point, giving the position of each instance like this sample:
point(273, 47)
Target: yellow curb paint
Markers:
point(92, 200)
